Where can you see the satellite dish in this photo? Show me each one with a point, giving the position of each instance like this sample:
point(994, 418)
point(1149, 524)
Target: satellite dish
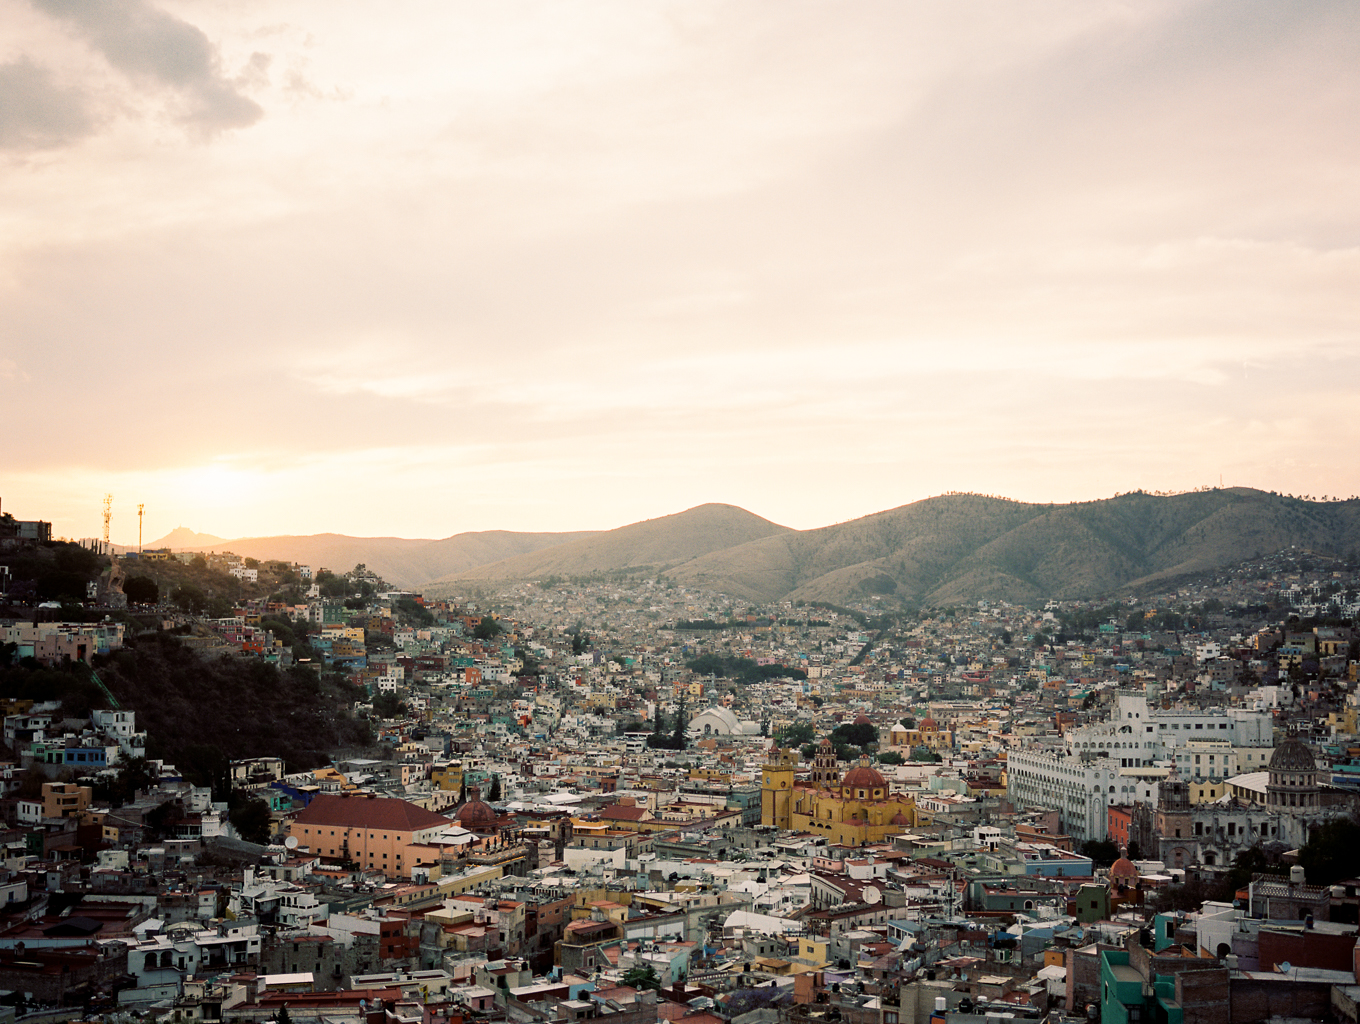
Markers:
point(1284, 967)
point(291, 842)
point(871, 894)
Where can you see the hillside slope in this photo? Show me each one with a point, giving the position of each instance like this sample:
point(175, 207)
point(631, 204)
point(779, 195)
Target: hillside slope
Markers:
point(401, 561)
point(960, 548)
point(657, 543)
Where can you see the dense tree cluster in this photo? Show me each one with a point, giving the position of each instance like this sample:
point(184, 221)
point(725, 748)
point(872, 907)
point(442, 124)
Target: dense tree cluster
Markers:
point(744, 670)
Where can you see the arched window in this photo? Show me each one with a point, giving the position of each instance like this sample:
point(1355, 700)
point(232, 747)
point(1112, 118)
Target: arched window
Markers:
point(150, 961)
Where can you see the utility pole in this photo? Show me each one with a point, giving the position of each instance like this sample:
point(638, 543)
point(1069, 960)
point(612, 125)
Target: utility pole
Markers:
point(141, 510)
point(108, 513)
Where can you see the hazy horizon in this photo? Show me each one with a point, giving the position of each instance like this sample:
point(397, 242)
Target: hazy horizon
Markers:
point(447, 267)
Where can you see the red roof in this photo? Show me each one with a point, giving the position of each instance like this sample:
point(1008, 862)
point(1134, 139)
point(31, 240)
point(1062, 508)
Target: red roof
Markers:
point(616, 812)
point(370, 813)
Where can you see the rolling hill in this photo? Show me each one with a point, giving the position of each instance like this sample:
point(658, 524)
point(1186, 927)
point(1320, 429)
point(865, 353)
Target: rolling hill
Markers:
point(950, 549)
point(654, 544)
point(400, 561)
point(964, 547)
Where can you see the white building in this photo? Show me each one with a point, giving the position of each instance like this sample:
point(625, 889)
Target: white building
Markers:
point(1136, 735)
point(1081, 790)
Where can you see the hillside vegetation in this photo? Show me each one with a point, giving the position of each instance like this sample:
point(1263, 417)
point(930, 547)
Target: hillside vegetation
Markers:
point(201, 712)
point(946, 550)
point(403, 562)
point(958, 548)
point(651, 545)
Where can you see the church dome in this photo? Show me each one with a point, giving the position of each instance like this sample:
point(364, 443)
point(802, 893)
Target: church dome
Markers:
point(929, 725)
point(1292, 756)
point(1124, 872)
point(825, 742)
point(475, 812)
point(863, 777)
point(899, 819)
point(863, 720)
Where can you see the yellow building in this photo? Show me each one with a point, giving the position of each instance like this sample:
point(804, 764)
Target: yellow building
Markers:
point(1206, 791)
point(850, 811)
point(447, 776)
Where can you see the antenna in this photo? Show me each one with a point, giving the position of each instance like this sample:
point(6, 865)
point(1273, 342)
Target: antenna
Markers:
point(141, 511)
point(108, 513)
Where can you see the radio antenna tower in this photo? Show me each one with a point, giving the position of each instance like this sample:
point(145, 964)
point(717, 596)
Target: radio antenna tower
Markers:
point(141, 511)
point(108, 513)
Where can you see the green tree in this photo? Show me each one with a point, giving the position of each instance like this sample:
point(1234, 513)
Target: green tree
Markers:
point(796, 735)
point(1331, 854)
point(678, 738)
point(251, 819)
point(1103, 852)
point(860, 735)
point(890, 757)
point(142, 590)
point(494, 793)
point(487, 628)
point(189, 598)
point(643, 977)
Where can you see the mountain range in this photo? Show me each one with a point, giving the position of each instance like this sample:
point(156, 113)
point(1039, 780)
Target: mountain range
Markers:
point(944, 550)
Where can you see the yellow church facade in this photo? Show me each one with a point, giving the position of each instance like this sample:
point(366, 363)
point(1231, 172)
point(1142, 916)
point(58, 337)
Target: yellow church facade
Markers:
point(849, 811)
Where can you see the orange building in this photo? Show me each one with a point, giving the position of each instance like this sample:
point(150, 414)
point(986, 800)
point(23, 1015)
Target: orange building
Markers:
point(376, 833)
point(65, 800)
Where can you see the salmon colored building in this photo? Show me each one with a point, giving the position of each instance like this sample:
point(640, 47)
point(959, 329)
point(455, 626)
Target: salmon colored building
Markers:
point(377, 833)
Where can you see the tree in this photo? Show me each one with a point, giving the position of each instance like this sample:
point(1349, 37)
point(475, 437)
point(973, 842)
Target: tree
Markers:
point(387, 705)
point(642, 977)
point(1330, 855)
point(1103, 852)
point(251, 819)
point(796, 735)
point(860, 735)
point(494, 793)
point(283, 1016)
point(141, 590)
point(678, 737)
point(487, 628)
point(890, 757)
point(189, 598)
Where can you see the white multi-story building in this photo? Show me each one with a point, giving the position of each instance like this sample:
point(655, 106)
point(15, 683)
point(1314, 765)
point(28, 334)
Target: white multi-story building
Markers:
point(1080, 789)
point(1136, 736)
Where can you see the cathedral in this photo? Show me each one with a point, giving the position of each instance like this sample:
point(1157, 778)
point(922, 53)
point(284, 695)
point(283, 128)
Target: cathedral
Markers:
point(1283, 805)
point(851, 811)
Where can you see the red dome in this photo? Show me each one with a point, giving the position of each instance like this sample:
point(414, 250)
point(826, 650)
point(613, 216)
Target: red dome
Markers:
point(863, 777)
point(929, 725)
point(1123, 871)
point(899, 819)
point(475, 812)
point(863, 720)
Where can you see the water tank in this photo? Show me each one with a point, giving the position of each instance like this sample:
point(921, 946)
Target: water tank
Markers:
point(1296, 875)
point(939, 1004)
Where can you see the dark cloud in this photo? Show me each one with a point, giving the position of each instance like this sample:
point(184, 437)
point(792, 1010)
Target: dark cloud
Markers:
point(36, 112)
point(147, 43)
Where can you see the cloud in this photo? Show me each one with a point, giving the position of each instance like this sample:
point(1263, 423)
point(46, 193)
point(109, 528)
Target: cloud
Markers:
point(36, 112)
point(148, 44)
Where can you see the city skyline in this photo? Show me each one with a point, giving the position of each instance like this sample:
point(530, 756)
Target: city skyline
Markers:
point(278, 269)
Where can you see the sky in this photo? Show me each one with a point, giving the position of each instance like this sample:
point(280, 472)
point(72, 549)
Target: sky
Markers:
point(418, 268)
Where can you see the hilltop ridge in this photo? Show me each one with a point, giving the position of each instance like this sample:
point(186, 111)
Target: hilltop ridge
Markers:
point(947, 549)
